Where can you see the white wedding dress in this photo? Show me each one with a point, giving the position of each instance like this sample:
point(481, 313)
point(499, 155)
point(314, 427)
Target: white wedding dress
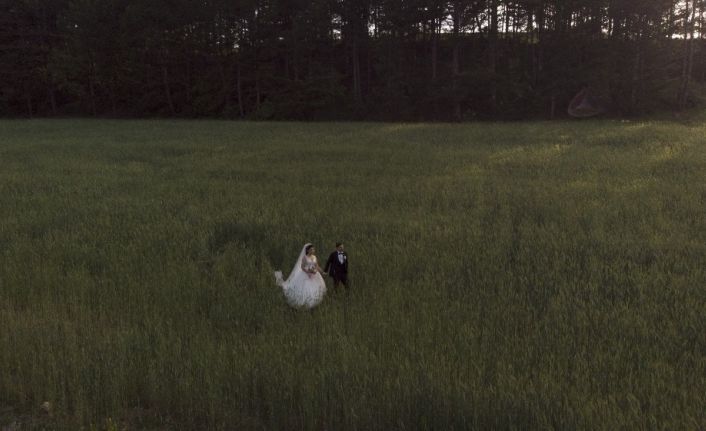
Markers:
point(303, 289)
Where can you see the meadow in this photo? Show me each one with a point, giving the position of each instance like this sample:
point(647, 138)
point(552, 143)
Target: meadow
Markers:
point(539, 275)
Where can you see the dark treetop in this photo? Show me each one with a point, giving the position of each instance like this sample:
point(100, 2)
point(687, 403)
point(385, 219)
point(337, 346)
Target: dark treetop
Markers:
point(347, 59)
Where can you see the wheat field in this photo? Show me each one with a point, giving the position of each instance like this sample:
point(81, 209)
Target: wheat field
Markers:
point(538, 275)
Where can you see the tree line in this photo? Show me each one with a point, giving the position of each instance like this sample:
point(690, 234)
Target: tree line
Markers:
point(347, 59)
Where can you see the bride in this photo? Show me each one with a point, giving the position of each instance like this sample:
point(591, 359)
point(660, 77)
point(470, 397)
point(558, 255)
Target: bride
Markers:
point(305, 287)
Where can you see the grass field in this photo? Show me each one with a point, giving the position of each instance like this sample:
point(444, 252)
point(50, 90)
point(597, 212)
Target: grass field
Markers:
point(504, 276)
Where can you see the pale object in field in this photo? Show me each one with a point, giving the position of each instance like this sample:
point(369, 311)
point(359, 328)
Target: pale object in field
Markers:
point(302, 289)
point(46, 407)
point(585, 104)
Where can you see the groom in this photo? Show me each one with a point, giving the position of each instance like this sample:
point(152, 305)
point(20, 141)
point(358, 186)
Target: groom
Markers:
point(337, 266)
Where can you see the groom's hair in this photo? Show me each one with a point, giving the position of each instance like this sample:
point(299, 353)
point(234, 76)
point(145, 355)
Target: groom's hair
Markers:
point(338, 244)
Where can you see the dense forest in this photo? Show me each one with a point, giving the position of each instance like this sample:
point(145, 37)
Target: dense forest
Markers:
point(347, 59)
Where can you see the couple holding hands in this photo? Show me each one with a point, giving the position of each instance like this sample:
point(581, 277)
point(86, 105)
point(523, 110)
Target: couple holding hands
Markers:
point(305, 287)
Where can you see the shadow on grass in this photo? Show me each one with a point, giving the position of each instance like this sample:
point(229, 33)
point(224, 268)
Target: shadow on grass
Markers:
point(250, 236)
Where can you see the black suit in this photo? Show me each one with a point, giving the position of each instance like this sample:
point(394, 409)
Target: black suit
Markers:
point(337, 270)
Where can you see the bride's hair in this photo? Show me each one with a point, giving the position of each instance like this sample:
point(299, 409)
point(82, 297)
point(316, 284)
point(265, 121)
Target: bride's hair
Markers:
point(308, 247)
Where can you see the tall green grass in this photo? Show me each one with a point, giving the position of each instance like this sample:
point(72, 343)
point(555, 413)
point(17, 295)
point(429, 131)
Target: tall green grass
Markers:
point(508, 276)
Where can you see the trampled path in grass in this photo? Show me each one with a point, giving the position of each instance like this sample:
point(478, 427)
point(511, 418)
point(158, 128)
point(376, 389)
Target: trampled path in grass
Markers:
point(509, 275)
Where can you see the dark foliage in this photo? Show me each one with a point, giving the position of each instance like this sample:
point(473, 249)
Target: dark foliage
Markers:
point(347, 59)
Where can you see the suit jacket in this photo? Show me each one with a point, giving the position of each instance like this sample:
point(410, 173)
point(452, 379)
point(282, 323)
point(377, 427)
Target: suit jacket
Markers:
point(334, 267)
